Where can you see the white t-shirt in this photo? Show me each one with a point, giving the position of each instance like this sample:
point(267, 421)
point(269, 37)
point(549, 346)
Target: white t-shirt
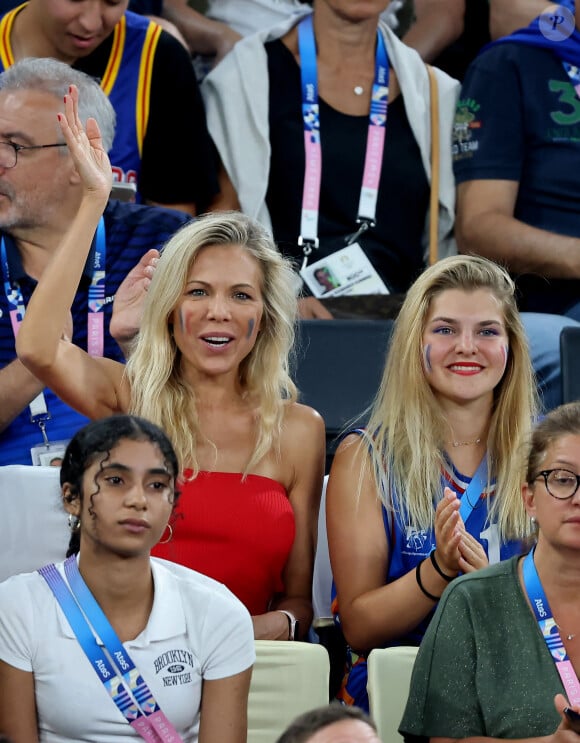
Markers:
point(197, 630)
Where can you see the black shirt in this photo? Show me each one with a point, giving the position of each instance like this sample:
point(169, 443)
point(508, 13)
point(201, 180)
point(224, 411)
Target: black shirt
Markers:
point(394, 245)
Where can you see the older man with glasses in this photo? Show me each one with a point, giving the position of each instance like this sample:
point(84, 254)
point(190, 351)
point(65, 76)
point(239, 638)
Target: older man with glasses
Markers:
point(39, 194)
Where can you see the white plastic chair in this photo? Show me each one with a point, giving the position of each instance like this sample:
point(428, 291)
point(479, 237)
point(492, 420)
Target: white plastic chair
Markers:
point(322, 575)
point(389, 678)
point(33, 525)
point(289, 678)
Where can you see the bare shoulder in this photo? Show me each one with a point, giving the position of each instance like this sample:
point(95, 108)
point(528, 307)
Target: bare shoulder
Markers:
point(304, 445)
point(351, 449)
point(351, 469)
point(302, 419)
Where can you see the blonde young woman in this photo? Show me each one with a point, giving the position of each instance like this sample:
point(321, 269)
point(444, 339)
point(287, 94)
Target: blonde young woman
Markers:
point(210, 367)
point(429, 489)
point(501, 659)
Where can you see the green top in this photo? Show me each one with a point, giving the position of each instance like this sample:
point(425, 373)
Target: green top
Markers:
point(483, 667)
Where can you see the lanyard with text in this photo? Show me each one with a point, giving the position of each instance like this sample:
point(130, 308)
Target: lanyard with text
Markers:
point(367, 207)
point(549, 629)
point(95, 324)
point(473, 491)
point(125, 686)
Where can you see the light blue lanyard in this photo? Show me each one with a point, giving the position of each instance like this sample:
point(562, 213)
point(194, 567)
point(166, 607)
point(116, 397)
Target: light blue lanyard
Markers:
point(96, 289)
point(39, 412)
point(473, 491)
point(311, 119)
point(549, 629)
point(126, 687)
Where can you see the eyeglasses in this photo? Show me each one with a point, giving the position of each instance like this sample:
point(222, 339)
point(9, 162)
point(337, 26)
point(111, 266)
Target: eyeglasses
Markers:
point(9, 151)
point(561, 484)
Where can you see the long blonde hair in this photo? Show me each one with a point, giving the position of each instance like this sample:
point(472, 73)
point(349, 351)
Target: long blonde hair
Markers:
point(159, 390)
point(407, 427)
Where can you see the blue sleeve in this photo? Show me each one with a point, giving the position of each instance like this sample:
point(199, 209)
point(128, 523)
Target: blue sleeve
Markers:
point(488, 133)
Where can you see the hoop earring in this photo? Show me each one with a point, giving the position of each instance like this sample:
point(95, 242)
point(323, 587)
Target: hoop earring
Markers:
point(170, 537)
point(74, 523)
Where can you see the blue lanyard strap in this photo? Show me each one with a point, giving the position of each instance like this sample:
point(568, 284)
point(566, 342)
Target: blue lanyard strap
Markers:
point(97, 658)
point(104, 630)
point(97, 289)
point(13, 292)
point(127, 688)
point(311, 121)
point(549, 629)
point(473, 492)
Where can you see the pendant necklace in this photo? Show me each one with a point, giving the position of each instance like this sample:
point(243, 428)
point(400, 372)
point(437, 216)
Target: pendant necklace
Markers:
point(568, 637)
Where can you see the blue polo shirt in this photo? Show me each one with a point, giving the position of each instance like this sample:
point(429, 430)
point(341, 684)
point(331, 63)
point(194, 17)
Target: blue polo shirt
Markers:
point(131, 230)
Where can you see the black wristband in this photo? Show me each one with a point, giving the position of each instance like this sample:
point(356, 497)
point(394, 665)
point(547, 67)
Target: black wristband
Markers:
point(435, 564)
point(424, 591)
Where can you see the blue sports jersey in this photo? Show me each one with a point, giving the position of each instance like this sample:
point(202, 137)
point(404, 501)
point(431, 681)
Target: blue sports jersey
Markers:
point(408, 546)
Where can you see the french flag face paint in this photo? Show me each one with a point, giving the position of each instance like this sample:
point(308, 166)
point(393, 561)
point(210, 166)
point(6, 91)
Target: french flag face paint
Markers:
point(251, 326)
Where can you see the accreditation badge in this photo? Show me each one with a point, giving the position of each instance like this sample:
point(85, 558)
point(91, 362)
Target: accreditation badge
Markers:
point(347, 272)
point(48, 455)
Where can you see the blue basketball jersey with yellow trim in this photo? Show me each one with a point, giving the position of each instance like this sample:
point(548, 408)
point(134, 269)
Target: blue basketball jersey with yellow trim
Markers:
point(126, 81)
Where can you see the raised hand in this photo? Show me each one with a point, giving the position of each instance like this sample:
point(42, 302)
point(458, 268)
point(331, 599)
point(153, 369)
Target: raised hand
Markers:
point(86, 148)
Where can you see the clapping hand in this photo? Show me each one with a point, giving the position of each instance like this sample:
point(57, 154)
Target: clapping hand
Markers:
point(86, 148)
point(448, 532)
point(457, 549)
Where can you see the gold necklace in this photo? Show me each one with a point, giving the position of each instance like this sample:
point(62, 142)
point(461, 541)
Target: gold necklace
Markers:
point(464, 443)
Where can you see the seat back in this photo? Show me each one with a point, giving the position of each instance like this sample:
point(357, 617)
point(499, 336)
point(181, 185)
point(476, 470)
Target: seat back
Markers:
point(570, 363)
point(338, 368)
point(389, 678)
point(33, 527)
point(289, 678)
point(322, 575)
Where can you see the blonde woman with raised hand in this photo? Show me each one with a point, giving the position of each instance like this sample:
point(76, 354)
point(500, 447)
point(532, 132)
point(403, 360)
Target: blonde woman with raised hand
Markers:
point(210, 366)
point(431, 487)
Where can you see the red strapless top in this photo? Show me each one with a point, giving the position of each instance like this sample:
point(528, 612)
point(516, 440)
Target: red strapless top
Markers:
point(239, 532)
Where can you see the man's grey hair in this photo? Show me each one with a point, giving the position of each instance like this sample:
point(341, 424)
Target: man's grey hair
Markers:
point(54, 77)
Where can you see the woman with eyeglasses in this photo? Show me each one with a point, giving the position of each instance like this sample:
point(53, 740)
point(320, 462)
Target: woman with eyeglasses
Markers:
point(501, 657)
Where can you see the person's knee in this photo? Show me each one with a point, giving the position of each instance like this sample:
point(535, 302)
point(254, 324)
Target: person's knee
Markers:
point(543, 332)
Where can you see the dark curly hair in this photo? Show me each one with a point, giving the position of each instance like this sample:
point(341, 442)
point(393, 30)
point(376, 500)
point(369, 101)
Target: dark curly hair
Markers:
point(99, 438)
